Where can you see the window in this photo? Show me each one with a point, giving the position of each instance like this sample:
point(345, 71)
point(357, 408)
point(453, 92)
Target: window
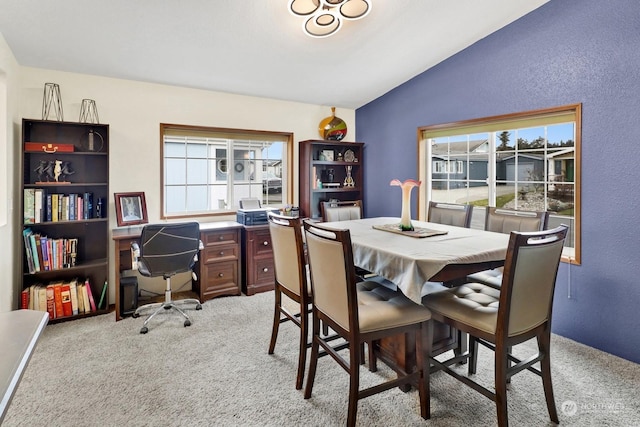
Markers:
point(526, 161)
point(208, 170)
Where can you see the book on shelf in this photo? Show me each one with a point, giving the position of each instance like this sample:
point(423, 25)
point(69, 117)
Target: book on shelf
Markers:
point(73, 289)
point(48, 207)
point(65, 295)
point(80, 207)
point(79, 287)
point(92, 302)
point(42, 297)
point(38, 205)
point(54, 207)
point(24, 298)
point(34, 251)
point(33, 298)
point(45, 253)
point(102, 296)
point(57, 297)
point(72, 207)
point(38, 241)
point(26, 233)
point(85, 298)
point(51, 304)
point(29, 206)
point(88, 205)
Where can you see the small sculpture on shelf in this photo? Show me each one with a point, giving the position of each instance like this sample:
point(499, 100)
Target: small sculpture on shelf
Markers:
point(65, 170)
point(44, 170)
point(348, 181)
point(58, 170)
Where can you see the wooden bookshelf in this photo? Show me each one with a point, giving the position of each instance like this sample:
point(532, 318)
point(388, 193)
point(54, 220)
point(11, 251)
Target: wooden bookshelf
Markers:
point(71, 162)
point(328, 162)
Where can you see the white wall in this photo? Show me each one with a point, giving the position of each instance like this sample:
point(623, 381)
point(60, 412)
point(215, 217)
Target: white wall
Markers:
point(9, 140)
point(134, 111)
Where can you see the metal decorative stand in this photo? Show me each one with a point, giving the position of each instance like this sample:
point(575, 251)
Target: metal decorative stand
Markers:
point(89, 112)
point(52, 100)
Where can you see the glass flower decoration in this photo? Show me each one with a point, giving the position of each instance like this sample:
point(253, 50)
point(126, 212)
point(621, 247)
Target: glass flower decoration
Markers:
point(407, 186)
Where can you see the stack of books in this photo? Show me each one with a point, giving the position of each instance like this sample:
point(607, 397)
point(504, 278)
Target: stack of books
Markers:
point(63, 298)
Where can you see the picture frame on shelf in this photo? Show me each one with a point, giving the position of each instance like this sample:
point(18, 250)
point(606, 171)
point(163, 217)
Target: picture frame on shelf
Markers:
point(131, 209)
point(327, 155)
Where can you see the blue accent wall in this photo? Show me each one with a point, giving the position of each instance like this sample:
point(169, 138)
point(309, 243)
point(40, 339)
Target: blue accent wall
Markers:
point(566, 52)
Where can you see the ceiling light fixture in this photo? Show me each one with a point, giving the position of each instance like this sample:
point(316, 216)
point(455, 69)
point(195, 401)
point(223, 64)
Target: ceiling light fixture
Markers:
point(324, 17)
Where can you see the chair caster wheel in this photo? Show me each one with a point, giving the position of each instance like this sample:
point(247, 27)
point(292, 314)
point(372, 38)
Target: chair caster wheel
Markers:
point(144, 330)
point(135, 315)
point(187, 323)
point(199, 307)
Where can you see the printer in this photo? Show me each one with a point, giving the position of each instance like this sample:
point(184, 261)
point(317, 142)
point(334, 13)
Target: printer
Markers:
point(255, 216)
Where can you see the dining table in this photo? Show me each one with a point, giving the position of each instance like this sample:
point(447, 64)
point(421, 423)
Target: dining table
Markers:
point(430, 253)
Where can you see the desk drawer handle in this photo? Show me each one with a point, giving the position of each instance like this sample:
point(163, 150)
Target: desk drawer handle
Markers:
point(221, 238)
point(220, 274)
point(221, 253)
point(265, 269)
point(266, 243)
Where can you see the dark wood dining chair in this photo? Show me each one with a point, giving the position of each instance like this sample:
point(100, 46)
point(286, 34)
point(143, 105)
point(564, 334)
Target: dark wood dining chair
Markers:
point(505, 221)
point(500, 319)
point(450, 214)
point(360, 312)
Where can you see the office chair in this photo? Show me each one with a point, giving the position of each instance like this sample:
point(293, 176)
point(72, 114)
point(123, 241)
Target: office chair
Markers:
point(499, 319)
point(165, 250)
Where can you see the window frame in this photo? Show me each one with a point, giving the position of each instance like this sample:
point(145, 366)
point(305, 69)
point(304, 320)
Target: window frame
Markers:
point(227, 133)
point(491, 125)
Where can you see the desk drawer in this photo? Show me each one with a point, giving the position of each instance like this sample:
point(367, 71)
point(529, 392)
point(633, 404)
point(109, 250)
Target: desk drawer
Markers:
point(218, 252)
point(217, 237)
point(220, 278)
point(260, 242)
point(263, 272)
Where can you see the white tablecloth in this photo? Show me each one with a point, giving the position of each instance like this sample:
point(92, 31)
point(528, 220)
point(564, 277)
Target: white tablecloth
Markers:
point(410, 261)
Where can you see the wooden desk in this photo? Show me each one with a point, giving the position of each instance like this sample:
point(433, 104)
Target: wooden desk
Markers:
point(19, 333)
point(218, 266)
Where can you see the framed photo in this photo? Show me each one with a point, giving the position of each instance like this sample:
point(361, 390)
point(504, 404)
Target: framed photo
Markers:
point(131, 209)
point(327, 155)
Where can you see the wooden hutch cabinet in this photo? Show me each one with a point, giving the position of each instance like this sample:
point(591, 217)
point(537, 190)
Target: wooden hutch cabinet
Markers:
point(329, 170)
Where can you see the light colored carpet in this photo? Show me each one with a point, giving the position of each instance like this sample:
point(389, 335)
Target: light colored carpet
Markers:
point(96, 372)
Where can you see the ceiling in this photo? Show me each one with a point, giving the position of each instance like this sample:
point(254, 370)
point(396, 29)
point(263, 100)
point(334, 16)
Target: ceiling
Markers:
point(253, 47)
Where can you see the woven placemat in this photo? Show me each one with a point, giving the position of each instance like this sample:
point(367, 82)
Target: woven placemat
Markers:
point(416, 232)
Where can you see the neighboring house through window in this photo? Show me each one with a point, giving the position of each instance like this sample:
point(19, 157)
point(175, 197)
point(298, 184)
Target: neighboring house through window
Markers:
point(522, 161)
point(208, 170)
